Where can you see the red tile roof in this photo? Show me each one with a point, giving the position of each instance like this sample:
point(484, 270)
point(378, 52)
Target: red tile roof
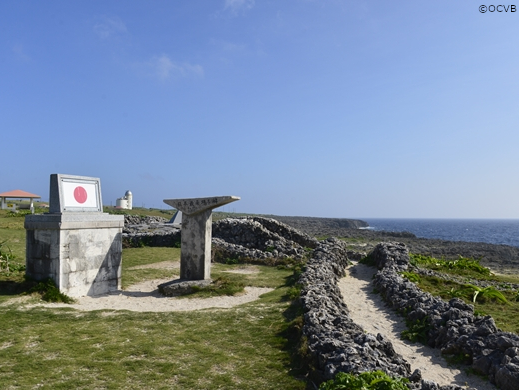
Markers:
point(18, 194)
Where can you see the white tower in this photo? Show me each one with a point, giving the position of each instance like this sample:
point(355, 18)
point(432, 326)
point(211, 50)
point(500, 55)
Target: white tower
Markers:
point(128, 196)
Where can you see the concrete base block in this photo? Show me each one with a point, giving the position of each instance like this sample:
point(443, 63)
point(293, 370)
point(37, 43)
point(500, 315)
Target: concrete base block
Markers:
point(81, 252)
point(181, 287)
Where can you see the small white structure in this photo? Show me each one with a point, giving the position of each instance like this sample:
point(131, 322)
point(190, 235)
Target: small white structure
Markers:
point(125, 202)
point(176, 220)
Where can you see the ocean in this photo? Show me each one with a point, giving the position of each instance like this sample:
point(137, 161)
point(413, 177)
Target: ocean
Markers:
point(493, 231)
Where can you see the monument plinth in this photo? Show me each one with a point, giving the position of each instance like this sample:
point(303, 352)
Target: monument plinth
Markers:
point(196, 234)
point(75, 244)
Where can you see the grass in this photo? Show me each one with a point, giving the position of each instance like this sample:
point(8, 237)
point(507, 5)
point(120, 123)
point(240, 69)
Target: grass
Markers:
point(139, 257)
point(505, 315)
point(247, 346)
point(462, 266)
point(233, 349)
point(501, 305)
point(12, 233)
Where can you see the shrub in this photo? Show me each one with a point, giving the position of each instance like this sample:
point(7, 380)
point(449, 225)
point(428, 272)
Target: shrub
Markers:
point(50, 292)
point(6, 266)
point(371, 380)
point(412, 277)
point(461, 264)
point(486, 293)
point(417, 331)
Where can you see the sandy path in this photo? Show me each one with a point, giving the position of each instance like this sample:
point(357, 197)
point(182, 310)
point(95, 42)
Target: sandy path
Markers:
point(369, 311)
point(144, 297)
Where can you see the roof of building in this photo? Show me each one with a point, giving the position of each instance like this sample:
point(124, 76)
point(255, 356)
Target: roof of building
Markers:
point(18, 194)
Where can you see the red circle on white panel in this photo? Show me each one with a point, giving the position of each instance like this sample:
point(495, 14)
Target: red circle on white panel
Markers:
point(80, 194)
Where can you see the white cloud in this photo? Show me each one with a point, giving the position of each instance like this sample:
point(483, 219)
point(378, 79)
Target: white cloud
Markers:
point(236, 6)
point(109, 26)
point(164, 68)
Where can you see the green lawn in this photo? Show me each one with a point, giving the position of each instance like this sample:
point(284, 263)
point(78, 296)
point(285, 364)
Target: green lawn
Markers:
point(236, 348)
point(245, 347)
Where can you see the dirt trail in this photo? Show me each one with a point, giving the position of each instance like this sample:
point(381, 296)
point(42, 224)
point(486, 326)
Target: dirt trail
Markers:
point(368, 310)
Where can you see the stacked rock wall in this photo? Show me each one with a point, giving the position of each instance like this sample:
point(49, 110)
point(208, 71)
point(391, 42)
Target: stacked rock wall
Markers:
point(452, 326)
point(149, 231)
point(335, 342)
point(252, 238)
point(143, 220)
point(256, 239)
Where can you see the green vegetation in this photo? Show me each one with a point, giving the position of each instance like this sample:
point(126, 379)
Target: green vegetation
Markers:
point(368, 260)
point(372, 380)
point(7, 265)
point(140, 211)
point(50, 293)
point(12, 259)
point(462, 266)
point(237, 348)
point(502, 305)
point(250, 346)
point(412, 277)
point(417, 331)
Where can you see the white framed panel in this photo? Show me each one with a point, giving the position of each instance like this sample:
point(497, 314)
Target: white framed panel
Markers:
point(75, 194)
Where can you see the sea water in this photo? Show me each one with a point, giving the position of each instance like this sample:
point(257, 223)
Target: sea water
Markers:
point(492, 231)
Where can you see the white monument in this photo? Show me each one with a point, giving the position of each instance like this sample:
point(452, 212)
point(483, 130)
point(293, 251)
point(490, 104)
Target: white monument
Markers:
point(176, 220)
point(75, 244)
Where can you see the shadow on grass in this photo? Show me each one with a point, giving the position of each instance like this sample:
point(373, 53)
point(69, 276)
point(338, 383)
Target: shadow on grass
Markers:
point(14, 284)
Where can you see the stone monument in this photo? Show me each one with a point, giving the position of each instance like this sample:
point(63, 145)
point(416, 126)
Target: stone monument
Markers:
point(75, 244)
point(195, 239)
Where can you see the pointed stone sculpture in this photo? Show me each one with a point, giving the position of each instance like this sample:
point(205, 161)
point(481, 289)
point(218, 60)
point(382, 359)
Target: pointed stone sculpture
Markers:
point(196, 234)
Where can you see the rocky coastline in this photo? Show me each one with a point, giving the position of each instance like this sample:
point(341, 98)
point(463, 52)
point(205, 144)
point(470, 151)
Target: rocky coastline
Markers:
point(499, 258)
point(503, 259)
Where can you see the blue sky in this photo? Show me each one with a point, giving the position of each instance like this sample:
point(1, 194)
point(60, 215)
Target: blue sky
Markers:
point(352, 109)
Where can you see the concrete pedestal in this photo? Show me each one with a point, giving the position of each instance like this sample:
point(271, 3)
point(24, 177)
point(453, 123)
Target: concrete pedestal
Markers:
point(196, 234)
point(81, 252)
point(196, 246)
